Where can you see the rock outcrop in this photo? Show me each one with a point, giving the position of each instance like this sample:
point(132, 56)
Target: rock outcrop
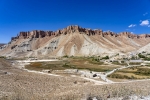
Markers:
point(33, 34)
point(74, 29)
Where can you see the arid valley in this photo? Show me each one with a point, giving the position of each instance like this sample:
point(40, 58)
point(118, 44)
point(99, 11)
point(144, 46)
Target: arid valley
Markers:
point(74, 50)
point(59, 69)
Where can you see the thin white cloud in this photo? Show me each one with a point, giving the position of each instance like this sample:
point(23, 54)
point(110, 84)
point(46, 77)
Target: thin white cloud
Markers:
point(132, 32)
point(132, 25)
point(144, 23)
point(148, 25)
point(145, 14)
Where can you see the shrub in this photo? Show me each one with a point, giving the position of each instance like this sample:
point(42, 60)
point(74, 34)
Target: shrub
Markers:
point(95, 59)
point(105, 57)
point(2, 57)
point(141, 56)
point(148, 59)
point(65, 56)
point(67, 66)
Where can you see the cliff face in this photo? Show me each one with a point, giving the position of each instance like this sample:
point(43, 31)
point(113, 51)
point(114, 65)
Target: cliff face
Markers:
point(33, 34)
point(73, 29)
point(73, 40)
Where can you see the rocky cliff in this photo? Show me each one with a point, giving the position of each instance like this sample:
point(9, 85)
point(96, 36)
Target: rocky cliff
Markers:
point(74, 29)
point(73, 40)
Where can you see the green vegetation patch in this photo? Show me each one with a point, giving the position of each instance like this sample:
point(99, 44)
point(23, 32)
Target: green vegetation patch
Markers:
point(132, 73)
point(72, 63)
point(134, 63)
point(141, 56)
point(148, 59)
point(144, 57)
point(45, 65)
point(119, 76)
point(143, 71)
point(3, 57)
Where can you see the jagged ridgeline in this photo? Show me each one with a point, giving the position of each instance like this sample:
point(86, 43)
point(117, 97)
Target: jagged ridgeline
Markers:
point(73, 40)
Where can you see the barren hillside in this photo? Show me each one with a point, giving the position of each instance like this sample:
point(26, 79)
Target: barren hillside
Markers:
point(145, 48)
point(72, 40)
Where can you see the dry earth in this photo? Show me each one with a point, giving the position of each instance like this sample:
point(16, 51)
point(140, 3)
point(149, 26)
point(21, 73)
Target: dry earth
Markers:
point(17, 84)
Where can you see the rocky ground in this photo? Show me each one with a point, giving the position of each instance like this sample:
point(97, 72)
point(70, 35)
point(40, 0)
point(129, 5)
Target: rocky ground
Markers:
point(17, 84)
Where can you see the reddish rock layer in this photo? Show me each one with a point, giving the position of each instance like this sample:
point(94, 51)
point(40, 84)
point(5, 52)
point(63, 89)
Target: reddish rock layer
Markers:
point(74, 29)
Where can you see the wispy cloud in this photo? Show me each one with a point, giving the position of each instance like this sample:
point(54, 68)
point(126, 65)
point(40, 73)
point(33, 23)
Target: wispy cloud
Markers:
point(148, 25)
point(145, 14)
point(145, 23)
point(132, 32)
point(132, 25)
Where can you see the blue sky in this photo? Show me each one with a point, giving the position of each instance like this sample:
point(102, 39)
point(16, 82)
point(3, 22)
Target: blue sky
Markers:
point(114, 15)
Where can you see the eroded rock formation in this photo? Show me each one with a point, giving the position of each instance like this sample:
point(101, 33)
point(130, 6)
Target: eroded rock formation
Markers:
point(73, 40)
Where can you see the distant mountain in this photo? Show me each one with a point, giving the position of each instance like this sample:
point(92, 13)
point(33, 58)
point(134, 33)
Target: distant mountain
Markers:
point(73, 40)
point(1, 44)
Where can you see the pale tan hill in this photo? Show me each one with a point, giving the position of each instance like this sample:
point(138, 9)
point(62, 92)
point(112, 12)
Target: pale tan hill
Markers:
point(146, 48)
point(72, 40)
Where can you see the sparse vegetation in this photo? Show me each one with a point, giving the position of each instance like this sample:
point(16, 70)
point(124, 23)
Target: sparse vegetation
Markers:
point(135, 63)
point(33, 86)
point(146, 58)
point(72, 63)
point(119, 76)
point(132, 73)
point(106, 57)
point(143, 71)
point(117, 63)
point(43, 65)
point(141, 56)
point(66, 56)
point(3, 57)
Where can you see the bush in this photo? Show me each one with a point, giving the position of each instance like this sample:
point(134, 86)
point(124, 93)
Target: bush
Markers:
point(2, 57)
point(141, 56)
point(94, 59)
point(105, 57)
point(148, 59)
point(66, 56)
point(122, 61)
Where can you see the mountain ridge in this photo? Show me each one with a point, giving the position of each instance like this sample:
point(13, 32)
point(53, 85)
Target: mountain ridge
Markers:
point(72, 40)
point(72, 29)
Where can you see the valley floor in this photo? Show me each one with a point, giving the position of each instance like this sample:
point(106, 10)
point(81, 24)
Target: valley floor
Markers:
point(19, 84)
